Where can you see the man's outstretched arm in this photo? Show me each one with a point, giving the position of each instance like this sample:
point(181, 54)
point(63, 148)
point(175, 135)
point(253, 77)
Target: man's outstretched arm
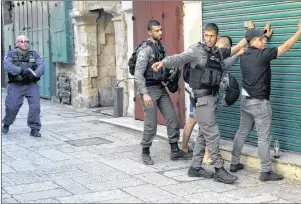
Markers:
point(178, 60)
point(290, 42)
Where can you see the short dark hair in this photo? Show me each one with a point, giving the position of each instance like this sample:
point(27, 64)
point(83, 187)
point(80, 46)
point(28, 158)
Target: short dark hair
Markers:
point(152, 23)
point(211, 26)
point(230, 40)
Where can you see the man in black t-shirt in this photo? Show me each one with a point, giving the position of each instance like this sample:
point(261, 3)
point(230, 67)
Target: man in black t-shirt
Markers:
point(255, 105)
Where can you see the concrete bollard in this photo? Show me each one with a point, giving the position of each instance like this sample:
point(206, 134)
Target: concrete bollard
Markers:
point(118, 102)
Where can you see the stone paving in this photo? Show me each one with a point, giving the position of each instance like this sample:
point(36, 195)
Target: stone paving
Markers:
point(61, 168)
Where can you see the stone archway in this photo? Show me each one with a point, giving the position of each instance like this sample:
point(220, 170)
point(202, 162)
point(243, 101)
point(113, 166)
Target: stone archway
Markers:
point(86, 49)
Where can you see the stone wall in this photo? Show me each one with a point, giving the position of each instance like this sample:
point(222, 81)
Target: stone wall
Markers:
point(127, 9)
point(85, 58)
point(106, 57)
point(101, 54)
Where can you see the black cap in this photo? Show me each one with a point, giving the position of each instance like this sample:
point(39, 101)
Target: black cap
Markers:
point(251, 33)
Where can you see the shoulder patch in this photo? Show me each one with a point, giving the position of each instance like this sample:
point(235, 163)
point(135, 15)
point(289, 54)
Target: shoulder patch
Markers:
point(141, 56)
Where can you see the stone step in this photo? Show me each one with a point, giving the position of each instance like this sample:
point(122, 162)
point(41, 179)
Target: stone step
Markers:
point(289, 164)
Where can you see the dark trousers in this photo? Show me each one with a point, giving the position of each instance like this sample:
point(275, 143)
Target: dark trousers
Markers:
point(160, 99)
point(14, 101)
point(209, 135)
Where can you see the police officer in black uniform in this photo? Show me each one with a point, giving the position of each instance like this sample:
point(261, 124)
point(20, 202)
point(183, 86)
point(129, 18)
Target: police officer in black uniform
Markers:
point(207, 63)
point(24, 70)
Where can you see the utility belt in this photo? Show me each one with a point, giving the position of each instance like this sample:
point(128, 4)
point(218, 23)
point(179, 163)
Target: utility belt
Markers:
point(153, 83)
point(201, 93)
point(257, 97)
point(22, 83)
point(204, 92)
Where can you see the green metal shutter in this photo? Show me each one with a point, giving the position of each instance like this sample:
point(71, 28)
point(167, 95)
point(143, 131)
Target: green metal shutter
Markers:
point(286, 71)
point(31, 18)
point(62, 47)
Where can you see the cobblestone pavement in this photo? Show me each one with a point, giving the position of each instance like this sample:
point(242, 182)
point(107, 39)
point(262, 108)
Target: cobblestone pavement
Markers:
point(79, 159)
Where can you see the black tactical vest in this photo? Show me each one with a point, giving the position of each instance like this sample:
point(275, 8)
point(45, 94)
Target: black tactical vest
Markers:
point(154, 78)
point(23, 60)
point(208, 76)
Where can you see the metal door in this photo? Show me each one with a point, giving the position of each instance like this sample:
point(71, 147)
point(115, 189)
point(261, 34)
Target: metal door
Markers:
point(141, 15)
point(286, 71)
point(31, 18)
point(170, 15)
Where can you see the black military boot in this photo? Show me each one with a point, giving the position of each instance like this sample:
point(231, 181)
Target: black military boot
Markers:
point(5, 129)
point(199, 172)
point(270, 176)
point(188, 154)
point(145, 157)
point(236, 167)
point(222, 175)
point(175, 152)
point(35, 133)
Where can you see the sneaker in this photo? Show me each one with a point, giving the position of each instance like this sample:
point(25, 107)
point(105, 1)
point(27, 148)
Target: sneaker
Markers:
point(35, 133)
point(199, 172)
point(5, 129)
point(270, 176)
point(146, 159)
point(235, 168)
point(222, 175)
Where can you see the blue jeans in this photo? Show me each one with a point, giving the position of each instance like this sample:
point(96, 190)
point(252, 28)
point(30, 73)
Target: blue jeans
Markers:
point(258, 112)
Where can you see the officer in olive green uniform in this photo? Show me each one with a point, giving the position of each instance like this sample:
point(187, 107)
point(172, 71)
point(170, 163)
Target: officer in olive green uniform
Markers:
point(153, 94)
point(207, 63)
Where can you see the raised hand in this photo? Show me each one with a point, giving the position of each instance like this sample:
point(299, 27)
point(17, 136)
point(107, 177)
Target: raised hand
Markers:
point(251, 25)
point(268, 29)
